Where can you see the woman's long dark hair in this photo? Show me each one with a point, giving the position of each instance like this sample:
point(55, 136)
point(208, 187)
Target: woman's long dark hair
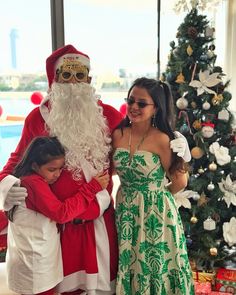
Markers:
point(164, 118)
point(40, 151)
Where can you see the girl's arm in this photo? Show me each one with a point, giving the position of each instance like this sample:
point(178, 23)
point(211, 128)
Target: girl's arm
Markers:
point(178, 178)
point(41, 199)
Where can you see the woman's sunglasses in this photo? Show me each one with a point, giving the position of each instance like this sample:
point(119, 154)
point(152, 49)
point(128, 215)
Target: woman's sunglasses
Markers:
point(141, 104)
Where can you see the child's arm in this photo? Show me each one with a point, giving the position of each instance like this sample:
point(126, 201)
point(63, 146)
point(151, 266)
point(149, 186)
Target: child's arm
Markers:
point(41, 199)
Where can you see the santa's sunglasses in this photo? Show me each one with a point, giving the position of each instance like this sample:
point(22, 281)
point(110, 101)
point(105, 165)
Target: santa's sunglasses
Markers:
point(141, 104)
point(67, 75)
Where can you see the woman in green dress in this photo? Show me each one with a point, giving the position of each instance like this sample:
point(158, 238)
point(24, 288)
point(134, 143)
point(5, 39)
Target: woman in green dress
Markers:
point(153, 257)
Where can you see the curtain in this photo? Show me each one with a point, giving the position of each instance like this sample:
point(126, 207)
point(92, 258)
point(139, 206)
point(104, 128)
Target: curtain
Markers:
point(230, 56)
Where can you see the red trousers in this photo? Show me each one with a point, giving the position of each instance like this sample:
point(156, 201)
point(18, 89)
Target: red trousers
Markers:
point(77, 292)
point(49, 292)
point(52, 292)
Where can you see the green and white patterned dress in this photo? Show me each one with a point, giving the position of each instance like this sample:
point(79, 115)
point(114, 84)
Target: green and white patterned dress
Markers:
point(153, 257)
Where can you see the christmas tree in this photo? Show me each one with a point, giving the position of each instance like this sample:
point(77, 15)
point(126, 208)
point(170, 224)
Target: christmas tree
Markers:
point(208, 204)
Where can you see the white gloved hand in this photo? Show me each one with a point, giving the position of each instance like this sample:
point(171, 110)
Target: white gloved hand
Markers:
point(180, 146)
point(15, 196)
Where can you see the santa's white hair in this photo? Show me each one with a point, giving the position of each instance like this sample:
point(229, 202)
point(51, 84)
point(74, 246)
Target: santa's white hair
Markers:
point(77, 120)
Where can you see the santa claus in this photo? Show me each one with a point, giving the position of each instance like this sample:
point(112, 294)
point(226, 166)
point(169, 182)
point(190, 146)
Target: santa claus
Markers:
point(83, 125)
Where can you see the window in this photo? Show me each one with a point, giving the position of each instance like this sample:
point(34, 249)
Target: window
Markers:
point(120, 40)
point(25, 41)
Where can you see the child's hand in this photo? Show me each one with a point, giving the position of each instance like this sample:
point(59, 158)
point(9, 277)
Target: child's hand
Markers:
point(103, 179)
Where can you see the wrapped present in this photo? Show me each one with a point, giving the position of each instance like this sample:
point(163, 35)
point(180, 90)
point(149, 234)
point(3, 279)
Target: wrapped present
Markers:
point(219, 293)
point(204, 277)
point(202, 288)
point(226, 281)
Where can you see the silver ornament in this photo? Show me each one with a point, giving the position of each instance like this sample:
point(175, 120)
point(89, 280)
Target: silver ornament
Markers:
point(211, 186)
point(209, 224)
point(206, 106)
point(182, 103)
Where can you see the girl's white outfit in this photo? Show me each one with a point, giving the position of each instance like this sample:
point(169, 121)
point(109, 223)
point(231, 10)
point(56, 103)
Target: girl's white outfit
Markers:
point(34, 258)
point(33, 249)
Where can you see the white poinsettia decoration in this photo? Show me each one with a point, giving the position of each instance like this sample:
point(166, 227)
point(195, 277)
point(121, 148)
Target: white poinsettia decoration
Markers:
point(229, 231)
point(221, 153)
point(228, 187)
point(187, 5)
point(205, 80)
point(182, 198)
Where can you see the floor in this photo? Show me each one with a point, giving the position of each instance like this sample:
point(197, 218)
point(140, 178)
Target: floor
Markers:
point(3, 286)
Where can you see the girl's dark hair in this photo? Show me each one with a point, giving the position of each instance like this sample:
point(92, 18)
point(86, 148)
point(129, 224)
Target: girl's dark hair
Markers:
point(41, 150)
point(164, 118)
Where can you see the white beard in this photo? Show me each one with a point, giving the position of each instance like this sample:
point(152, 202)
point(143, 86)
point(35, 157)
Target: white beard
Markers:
point(77, 121)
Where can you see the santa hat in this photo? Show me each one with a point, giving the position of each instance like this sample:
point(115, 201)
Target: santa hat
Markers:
point(56, 59)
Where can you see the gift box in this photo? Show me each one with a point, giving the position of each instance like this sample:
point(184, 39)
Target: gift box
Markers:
point(219, 293)
point(226, 281)
point(204, 277)
point(3, 252)
point(202, 288)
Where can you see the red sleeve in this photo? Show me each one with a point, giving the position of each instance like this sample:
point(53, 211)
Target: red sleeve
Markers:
point(33, 126)
point(113, 116)
point(41, 199)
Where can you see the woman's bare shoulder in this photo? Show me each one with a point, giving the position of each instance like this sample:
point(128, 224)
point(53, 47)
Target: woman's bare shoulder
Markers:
point(160, 137)
point(118, 136)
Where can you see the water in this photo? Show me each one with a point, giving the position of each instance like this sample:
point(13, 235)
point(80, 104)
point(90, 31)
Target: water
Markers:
point(19, 104)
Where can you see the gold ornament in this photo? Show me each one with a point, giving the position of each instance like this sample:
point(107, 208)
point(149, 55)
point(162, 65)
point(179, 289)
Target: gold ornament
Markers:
point(197, 124)
point(180, 78)
point(213, 251)
point(193, 219)
point(212, 166)
point(202, 201)
point(197, 152)
point(189, 50)
point(217, 99)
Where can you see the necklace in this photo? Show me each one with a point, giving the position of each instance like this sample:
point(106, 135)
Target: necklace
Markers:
point(138, 145)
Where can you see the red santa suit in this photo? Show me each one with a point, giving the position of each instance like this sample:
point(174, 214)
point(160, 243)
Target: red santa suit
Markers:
point(89, 249)
point(34, 245)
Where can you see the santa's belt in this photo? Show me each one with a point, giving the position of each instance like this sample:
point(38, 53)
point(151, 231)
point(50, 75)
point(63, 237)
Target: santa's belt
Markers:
point(77, 221)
